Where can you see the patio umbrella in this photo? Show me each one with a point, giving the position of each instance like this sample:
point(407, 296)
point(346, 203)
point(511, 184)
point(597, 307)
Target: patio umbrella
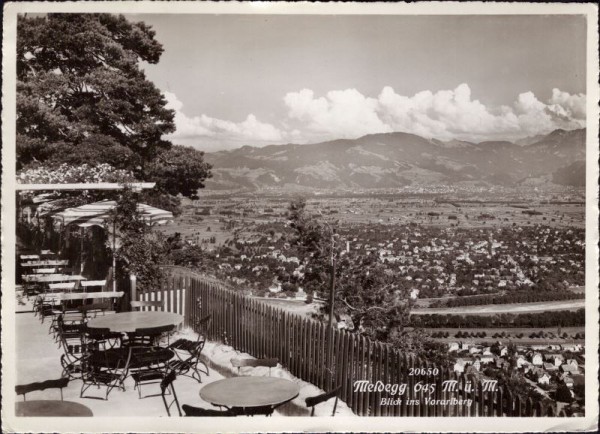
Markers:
point(97, 213)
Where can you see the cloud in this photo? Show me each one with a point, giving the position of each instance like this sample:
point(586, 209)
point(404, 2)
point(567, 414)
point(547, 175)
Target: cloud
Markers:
point(218, 133)
point(340, 114)
point(445, 114)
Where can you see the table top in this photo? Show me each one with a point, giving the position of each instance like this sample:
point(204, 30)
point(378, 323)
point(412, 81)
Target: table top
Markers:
point(44, 263)
point(62, 285)
point(52, 278)
point(127, 322)
point(249, 391)
point(88, 295)
point(30, 257)
point(50, 408)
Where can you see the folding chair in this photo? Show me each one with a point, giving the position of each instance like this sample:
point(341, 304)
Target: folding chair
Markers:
point(165, 385)
point(24, 389)
point(315, 400)
point(239, 363)
point(105, 374)
point(148, 336)
point(73, 358)
point(93, 309)
point(103, 338)
point(148, 366)
point(203, 412)
point(88, 285)
point(138, 305)
point(187, 354)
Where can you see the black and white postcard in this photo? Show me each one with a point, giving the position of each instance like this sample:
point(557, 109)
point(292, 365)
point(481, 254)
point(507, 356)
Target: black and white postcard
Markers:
point(320, 217)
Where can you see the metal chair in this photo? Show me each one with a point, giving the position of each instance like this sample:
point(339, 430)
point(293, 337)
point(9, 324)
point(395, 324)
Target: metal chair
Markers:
point(138, 305)
point(315, 400)
point(149, 336)
point(167, 385)
point(187, 354)
point(104, 372)
point(92, 310)
point(74, 356)
point(203, 412)
point(239, 363)
point(148, 367)
point(66, 333)
point(24, 389)
point(103, 338)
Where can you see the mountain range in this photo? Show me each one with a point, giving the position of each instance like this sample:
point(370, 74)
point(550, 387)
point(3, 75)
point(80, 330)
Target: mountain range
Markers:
point(399, 159)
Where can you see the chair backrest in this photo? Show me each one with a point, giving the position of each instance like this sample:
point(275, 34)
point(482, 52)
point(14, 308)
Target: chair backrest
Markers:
point(202, 412)
point(166, 383)
point(239, 363)
point(314, 400)
point(148, 336)
point(60, 383)
point(154, 331)
point(95, 334)
point(90, 283)
point(94, 307)
point(140, 304)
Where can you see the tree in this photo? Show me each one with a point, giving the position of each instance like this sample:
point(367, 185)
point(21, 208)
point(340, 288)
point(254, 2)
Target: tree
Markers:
point(82, 98)
point(179, 169)
point(365, 290)
point(142, 250)
point(563, 393)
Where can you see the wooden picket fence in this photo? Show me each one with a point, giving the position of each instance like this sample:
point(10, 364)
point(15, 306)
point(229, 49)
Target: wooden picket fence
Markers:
point(301, 344)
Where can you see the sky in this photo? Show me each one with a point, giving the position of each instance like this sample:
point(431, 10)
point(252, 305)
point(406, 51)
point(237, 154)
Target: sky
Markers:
point(236, 80)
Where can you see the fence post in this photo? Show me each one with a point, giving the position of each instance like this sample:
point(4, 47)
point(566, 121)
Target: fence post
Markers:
point(133, 286)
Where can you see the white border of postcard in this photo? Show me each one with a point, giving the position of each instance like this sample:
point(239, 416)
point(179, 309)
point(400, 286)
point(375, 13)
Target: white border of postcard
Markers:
point(282, 424)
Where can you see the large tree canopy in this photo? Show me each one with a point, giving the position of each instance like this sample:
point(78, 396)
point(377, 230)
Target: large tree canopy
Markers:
point(83, 98)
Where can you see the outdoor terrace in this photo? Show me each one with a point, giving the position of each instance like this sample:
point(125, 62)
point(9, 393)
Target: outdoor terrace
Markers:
point(38, 359)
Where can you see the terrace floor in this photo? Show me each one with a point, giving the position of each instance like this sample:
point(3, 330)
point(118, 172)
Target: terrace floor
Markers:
point(38, 359)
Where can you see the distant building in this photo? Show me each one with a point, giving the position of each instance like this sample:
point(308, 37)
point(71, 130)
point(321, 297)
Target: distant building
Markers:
point(543, 378)
point(521, 361)
point(569, 382)
point(572, 362)
point(486, 359)
point(459, 366)
point(537, 359)
point(569, 369)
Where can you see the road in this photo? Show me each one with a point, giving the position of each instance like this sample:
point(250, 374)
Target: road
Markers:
point(490, 309)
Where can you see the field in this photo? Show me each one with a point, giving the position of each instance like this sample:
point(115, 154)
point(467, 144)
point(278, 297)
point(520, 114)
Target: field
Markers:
point(510, 335)
point(488, 210)
point(492, 309)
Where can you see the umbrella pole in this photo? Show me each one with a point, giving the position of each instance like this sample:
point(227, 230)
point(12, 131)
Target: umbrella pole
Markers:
point(114, 260)
point(81, 233)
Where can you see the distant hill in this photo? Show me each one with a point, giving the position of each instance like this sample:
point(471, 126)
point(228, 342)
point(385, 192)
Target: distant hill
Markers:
point(395, 160)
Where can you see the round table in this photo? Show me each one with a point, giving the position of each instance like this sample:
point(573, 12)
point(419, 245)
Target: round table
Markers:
point(50, 408)
point(128, 322)
point(248, 392)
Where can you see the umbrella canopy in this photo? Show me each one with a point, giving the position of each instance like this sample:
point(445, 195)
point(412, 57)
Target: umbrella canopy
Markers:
point(98, 212)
